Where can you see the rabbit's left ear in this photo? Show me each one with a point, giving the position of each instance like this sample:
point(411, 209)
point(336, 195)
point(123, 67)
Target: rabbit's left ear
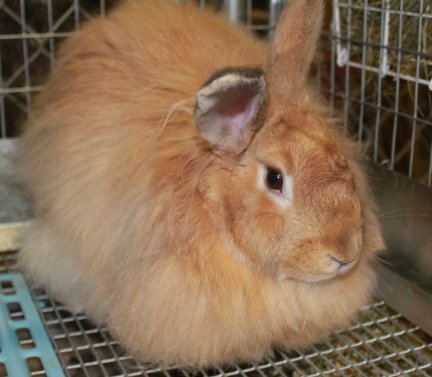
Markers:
point(227, 107)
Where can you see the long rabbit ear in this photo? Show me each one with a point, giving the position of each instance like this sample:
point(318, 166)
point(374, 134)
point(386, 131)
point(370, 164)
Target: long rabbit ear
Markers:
point(293, 47)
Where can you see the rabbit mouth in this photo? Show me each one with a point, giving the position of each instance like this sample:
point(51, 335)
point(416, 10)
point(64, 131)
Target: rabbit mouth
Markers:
point(316, 277)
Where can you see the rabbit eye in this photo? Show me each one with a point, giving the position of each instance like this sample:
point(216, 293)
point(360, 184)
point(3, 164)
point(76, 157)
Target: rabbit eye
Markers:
point(274, 179)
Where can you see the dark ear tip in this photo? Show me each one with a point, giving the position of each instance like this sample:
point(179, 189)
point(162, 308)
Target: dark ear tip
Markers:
point(246, 72)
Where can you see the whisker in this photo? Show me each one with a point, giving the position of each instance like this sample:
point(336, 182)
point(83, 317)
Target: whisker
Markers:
point(384, 261)
point(420, 215)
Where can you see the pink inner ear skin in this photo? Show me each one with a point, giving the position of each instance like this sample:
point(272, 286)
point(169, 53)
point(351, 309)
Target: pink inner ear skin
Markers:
point(237, 110)
point(233, 105)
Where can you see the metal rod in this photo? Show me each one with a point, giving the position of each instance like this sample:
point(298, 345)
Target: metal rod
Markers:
point(275, 11)
point(236, 10)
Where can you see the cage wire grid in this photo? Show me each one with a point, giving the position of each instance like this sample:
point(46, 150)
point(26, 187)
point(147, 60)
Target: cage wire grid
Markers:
point(382, 50)
point(380, 343)
point(374, 67)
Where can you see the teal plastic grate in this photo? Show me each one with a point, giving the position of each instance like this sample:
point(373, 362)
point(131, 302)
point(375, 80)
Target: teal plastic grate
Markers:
point(25, 348)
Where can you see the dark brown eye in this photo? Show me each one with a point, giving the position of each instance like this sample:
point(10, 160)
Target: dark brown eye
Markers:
point(274, 179)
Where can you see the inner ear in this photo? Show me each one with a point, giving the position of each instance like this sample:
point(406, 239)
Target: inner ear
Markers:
point(227, 107)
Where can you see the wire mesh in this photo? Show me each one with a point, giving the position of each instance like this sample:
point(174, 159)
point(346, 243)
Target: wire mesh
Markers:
point(382, 80)
point(380, 343)
point(30, 32)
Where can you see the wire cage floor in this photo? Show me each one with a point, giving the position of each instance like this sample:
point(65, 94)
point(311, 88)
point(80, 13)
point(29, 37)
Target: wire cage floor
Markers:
point(380, 343)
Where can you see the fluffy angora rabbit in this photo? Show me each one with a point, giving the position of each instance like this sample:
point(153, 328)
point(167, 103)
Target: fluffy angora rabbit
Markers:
point(190, 191)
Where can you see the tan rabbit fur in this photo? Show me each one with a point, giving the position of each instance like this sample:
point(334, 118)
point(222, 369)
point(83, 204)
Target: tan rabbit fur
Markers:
point(158, 211)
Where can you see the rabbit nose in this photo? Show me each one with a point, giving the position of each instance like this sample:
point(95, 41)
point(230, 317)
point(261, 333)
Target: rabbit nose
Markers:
point(339, 261)
point(345, 254)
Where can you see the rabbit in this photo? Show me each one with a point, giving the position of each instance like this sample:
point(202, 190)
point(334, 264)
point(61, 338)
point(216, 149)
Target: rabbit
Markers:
point(192, 192)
